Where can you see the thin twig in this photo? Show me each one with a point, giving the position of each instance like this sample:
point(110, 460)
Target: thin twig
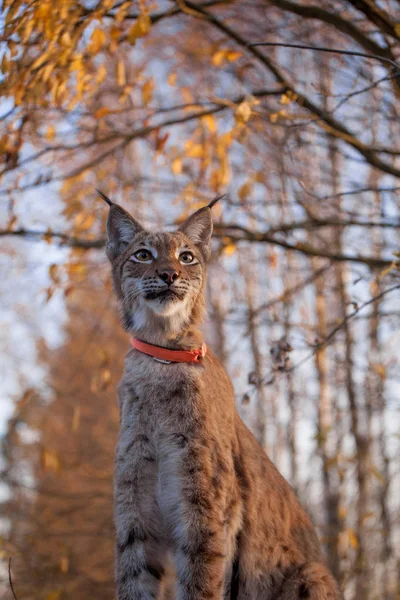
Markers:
point(331, 50)
point(352, 314)
point(334, 331)
point(10, 579)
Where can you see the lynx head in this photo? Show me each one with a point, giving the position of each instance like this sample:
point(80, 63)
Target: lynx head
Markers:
point(159, 278)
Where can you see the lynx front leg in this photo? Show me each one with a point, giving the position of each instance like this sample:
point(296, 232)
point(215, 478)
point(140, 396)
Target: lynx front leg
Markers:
point(200, 537)
point(140, 555)
point(200, 562)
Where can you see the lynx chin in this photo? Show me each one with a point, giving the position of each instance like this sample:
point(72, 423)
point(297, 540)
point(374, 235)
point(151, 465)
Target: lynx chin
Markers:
point(200, 511)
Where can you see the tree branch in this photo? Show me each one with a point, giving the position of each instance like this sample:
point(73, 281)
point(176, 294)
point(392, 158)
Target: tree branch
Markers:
point(343, 25)
point(331, 125)
point(235, 233)
point(141, 132)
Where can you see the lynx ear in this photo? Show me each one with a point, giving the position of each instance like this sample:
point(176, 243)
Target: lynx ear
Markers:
point(121, 229)
point(198, 227)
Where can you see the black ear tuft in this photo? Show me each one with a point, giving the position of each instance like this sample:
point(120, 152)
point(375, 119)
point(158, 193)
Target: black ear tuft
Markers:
point(105, 198)
point(216, 199)
point(198, 227)
point(121, 231)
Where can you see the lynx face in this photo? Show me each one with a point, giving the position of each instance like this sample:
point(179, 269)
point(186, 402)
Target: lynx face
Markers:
point(162, 273)
point(159, 275)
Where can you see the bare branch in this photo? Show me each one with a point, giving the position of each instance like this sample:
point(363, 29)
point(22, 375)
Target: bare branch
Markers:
point(237, 233)
point(10, 579)
point(329, 50)
point(327, 122)
point(344, 25)
point(233, 232)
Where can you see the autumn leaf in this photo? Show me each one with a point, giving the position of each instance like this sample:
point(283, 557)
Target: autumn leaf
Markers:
point(172, 79)
point(76, 268)
point(84, 222)
point(352, 538)
point(245, 190)
point(50, 460)
point(243, 112)
point(224, 55)
point(102, 112)
point(97, 41)
point(147, 91)
point(121, 75)
point(210, 123)
point(140, 28)
point(50, 133)
point(54, 273)
point(229, 249)
point(177, 166)
point(5, 63)
point(195, 151)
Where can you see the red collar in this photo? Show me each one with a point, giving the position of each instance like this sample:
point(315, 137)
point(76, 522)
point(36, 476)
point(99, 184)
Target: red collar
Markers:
point(168, 356)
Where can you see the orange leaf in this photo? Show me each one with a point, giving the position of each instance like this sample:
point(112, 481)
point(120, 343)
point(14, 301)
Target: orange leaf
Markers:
point(101, 112)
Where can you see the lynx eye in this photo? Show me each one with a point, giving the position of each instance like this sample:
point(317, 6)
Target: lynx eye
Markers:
point(143, 255)
point(187, 258)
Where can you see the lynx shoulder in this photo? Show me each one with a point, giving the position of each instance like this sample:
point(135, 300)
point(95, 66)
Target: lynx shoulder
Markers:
point(195, 495)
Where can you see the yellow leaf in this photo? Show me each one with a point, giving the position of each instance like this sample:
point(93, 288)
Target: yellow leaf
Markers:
point(195, 151)
point(76, 269)
point(285, 99)
point(232, 55)
point(397, 28)
point(225, 55)
point(380, 370)
point(5, 64)
point(229, 249)
point(245, 190)
point(50, 133)
point(97, 41)
point(39, 61)
point(140, 28)
point(243, 112)
point(101, 74)
point(47, 71)
point(54, 273)
point(101, 112)
point(121, 76)
point(172, 79)
point(147, 91)
point(210, 123)
point(50, 460)
point(84, 222)
point(218, 58)
point(12, 222)
point(374, 471)
point(176, 166)
point(66, 40)
point(352, 538)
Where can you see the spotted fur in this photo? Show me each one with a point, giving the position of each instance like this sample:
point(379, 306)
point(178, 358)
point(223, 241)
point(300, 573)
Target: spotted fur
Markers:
point(195, 495)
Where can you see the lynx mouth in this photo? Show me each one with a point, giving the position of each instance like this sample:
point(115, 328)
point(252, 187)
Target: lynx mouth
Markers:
point(164, 295)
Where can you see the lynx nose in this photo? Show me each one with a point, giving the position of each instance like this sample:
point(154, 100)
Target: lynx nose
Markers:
point(169, 276)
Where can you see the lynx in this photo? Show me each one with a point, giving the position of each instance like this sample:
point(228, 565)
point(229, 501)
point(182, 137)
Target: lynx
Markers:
point(193, 488)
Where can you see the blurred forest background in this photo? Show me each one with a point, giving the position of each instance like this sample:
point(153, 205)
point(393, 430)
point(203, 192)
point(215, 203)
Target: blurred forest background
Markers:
point(162, 105)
